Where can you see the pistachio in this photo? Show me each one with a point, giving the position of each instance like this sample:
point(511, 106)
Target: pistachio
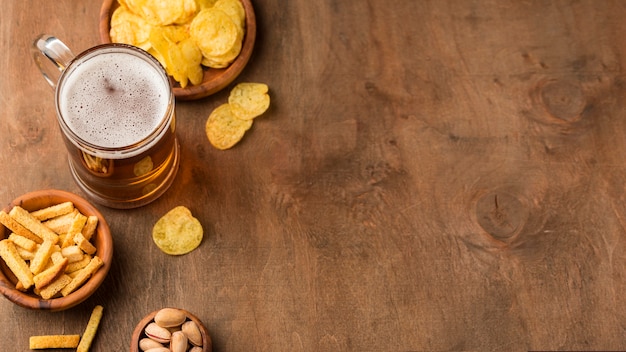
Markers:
point(147, 343)
point(191, 330)
point(158, 349)
point(196, 349)
point(178, 342)
point(168, 317)
point(157, 333)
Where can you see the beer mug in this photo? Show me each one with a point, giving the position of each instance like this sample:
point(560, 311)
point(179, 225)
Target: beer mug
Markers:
point(115, 108)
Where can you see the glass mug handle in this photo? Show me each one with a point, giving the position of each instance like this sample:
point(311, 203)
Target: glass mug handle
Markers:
point(52, 56)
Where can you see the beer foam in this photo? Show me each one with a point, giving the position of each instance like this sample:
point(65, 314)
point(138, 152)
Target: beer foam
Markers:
point(113, 99)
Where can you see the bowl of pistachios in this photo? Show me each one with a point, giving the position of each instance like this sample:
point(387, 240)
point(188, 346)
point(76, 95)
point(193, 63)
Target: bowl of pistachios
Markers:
point(171, 329)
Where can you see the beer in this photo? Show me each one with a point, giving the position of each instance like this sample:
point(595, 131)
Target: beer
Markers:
point(116, 110)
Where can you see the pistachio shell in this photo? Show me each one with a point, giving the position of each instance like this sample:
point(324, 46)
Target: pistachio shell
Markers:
point(157, 333)
point(178, 342)
point(191, 330)
point(158, 349)
point(147, 343)
point(169, 317)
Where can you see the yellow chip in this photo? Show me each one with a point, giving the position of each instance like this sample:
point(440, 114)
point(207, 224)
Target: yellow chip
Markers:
point(214, 32)
point(193, 58)
point(190, 10)
point(223, 129)
point(234, 9)
point(249, 100)
point(164, 41)
point(127, 27)
point(143, 166)
point(175, 33)
point(160, 47)
point(178, 68)
point(205, 4)
point(224, 60)
point(160, 12)
point(177, 232)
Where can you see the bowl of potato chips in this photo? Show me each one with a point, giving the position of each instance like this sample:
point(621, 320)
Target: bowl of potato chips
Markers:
point(55, 250)
point(202, 44)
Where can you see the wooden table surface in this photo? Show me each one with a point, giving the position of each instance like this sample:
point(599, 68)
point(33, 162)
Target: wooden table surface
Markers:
point(432, 175)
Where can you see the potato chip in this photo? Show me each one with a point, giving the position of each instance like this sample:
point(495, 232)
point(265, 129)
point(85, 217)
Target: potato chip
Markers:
point(127, 27)
point(223, 129)
point(190, 10)
point(214, 32)
point(133, 5)
point(160, 12)
point(143, 166)
point(234, 9)
point(249, 100)
point(224, 60)
point(205, 4)
point(175, 33)
point(178, 67)
point(160, 47)
point(193, 59)
point(165, 42)
point(177, 232)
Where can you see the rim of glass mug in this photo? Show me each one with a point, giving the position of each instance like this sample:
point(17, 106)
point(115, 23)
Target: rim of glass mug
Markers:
point(61, 62)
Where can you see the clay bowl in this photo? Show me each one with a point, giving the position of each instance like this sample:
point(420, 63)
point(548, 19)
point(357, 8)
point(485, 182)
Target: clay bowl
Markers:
point(138, 333)
point(101, 239)
point(214, 80)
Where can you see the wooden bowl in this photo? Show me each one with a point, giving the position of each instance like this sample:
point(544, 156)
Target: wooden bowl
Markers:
point(101, 239)
point(138, 333)
point(214, 80)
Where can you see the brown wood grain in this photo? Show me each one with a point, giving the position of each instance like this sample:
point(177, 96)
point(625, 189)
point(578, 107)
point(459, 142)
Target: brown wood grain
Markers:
point(431, 175)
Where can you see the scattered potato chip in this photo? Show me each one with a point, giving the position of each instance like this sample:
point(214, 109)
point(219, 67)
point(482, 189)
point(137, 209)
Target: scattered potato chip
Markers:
point(249, 100)
point(228, 123)
point(223, 129)
point(177, 232)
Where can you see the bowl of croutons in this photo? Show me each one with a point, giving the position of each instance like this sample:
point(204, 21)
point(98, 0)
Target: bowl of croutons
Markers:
point(55, 250)
point(171, 329)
